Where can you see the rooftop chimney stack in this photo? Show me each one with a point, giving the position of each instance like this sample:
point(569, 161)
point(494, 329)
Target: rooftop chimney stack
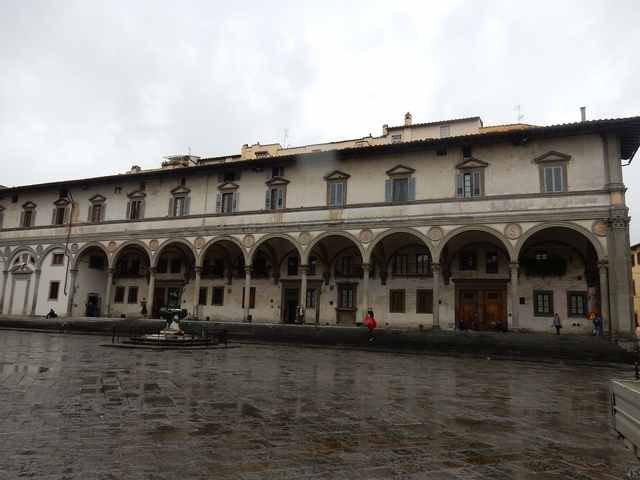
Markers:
point(407, 119)
point(385, 130)
point(583, 114)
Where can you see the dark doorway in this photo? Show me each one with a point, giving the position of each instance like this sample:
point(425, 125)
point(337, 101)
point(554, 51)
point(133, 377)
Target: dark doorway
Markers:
point(290, 303)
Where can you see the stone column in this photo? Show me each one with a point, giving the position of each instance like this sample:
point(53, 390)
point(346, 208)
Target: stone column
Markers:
point(514, 268)
point(304, 269)
point(36, 287)
point(364, 307)
point(196, 294)
point(72, 291)
point(620, 296)
point(604, 296)
point(435, 267)
point(150, 291)
point(247, 291)
point(5, 276)
point(107, 300)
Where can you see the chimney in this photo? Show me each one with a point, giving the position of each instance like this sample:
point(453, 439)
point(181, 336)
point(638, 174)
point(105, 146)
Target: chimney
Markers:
point(407, 119)
point(583, 114)
point(385, 130)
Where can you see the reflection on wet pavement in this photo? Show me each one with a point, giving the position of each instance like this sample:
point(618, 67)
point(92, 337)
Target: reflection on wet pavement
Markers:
point(72, 409)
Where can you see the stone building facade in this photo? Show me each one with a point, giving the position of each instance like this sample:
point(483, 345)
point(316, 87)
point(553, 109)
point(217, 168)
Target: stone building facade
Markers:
point(635, 285)
point(446, 224)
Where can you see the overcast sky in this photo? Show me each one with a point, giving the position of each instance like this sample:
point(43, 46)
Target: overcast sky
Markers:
point(90, 88)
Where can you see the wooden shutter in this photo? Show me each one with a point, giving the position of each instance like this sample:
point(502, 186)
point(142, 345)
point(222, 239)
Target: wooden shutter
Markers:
point(187, 205)
point(90, 213)
point(280, 198)
point(460, 185)
point(171, 200)
point(219, 202)
point(53, 216)
point(65, 217)
point(267, 200)
point(22, 219)
point(388, 190)
point(129, 210)
point(141, 209)
point(476, 184)
point(236, 200)
point(103, 213)
point(412, 189)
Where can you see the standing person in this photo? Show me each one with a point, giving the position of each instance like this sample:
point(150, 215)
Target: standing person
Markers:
point(370, 323)
point(557, 324)
point(599, 324)
point(143, 305)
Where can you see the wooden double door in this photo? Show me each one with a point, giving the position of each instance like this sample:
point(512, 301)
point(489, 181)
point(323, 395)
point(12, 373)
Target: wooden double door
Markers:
point(481, 308)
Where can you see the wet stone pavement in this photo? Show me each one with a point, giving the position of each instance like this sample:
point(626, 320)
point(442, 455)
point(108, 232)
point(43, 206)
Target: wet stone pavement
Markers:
point(70, 408)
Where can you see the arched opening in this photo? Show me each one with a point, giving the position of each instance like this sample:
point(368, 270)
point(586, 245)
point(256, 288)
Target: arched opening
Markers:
point(21, 269)
point(558, 274)
point(131, 275)
point(221, 287)
point(276, 282)
point(89, 294)
point(401, 291)
point(475, 268)
point(174, 285)
point(335, 289)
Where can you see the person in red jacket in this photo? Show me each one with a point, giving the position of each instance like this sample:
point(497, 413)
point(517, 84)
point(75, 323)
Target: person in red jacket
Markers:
point(370, 323)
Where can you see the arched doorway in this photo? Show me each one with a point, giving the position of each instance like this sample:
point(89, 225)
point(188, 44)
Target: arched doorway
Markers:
point(476, 273)
point(275, 282)
point(89, 279)
point(559, 273)
point(335, 292)
point(21, 269)
point(174, 280)
point(130, 282)
point(221, 289)
point(402, 283)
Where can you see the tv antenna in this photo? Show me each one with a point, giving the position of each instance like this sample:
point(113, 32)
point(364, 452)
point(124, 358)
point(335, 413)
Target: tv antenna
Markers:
point(520, 115)
point(285, 138)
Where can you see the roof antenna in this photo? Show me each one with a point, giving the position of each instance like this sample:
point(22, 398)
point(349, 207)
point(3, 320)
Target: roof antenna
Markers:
point(520, 115)
point(285, 138)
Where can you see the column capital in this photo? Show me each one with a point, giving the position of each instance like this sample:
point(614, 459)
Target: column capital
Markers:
point(74, 271)
point(514, 265)
point(38, 271)
point(111, 270)
point(153, 270)
point(303, 269)
point(198, 270)
point(435, 266)
point(248, 268)
point(366, 266)
point(603, 264)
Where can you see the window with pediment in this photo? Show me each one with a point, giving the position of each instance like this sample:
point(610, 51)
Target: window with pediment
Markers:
point(337, 188)
point(135, 205)
point(401, 185)
point(553, 171)
point(28, 215)
point(97, 209)
point(228, 197)
point(60, 213)
point(179, 202)
point(470, 178)
point(276, 195)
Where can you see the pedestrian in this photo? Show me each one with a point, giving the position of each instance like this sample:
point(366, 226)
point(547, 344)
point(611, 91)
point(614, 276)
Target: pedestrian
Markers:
point(370, 323)
point(556, 323)
point(143, 305)
point(599, 325)
point(52, 314)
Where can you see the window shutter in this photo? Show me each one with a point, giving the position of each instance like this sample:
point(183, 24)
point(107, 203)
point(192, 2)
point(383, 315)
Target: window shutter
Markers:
point(33, 218)
point(53, 216)
point(171, 200)
point(103, 213)
point(548, 179)
point(412, 188)
point(141, 210)
point(388, 190)
point(236, 200)
point(90, 212)
point(459, 185)
point(129, 210)
point(218, 202)
point(187, 205)
point(65, 217)
point(558, 179)
point(280, 198)
point(267, 200)
point(22, 219)
point(476, 184)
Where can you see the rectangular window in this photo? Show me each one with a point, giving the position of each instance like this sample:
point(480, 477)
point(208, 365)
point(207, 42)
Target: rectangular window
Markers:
point(217, 296)
point(57, 259)
point(119, 296)
point(468, 261)
point(179, 206)
point(202, 296)
point(424, 301)
point(543, 303)
point(135, 210)
point(275, 198)
point(252, 297)
point(444, 131)
point(553, 179)
point(396, 301)
point(96, 213)
point(27, 218)
point(466, 152)
point(54, 289)
point(58, 215)
point(577, 304)
point(400, 264)
point(423, 263)
point(229, 177)
point(175, 266)
point(292, 265)
point(337, 195)
point(277, 172)
point(400, 189)
point(227, 202)
point(492, 262)
point(132, 296)
point(396, 138)
point(345, 296)
point(311, 298)
point(469, 184)
point(346, 265)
